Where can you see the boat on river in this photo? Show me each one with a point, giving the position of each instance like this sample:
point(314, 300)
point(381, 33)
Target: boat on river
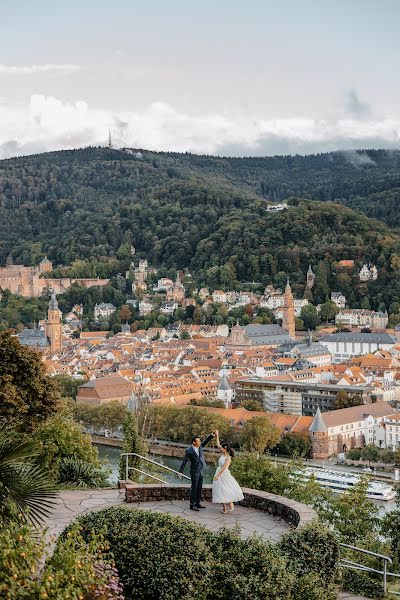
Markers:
point(339, 482)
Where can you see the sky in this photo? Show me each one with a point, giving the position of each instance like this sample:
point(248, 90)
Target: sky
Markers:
point(225, 77)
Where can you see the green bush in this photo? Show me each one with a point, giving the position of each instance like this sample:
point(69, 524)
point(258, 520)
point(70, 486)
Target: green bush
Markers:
point(313, 549)
point(361, 583)
point(77, 472)
point(161, 556)
point(76, 570)
point(353, 454)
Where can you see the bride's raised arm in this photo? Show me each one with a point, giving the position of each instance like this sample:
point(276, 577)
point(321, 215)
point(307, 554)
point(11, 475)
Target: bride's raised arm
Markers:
point(217, 438)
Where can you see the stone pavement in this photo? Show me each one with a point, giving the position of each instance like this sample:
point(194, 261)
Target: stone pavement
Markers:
point(71, 504)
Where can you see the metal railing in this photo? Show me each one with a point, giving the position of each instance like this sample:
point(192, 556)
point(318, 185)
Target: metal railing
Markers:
point(349, 564)
point(153, 462)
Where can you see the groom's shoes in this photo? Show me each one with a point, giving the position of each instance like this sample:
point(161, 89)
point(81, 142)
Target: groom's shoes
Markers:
point(200, 506)
point(194, 508)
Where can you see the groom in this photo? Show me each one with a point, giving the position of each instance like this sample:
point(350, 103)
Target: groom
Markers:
point(197, 462)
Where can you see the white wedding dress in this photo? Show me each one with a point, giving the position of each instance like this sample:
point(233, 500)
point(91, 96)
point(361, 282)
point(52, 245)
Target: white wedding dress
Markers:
point(225, 489)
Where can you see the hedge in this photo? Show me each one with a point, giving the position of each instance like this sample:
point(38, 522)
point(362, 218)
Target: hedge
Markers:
point(159, 556)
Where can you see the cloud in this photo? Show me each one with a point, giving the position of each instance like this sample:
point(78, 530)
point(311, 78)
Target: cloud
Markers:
point(48, 123)
point(33, 69)
point(356, 107)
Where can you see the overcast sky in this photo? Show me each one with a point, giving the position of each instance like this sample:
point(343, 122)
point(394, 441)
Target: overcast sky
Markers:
point(232, 77)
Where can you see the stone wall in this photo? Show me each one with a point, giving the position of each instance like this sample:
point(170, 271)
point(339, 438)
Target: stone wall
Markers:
point(292, 512)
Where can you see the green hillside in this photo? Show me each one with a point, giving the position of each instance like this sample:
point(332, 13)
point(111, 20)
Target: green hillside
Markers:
point(84, 208)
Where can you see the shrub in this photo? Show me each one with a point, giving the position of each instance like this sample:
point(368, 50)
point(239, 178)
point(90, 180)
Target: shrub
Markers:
point(313, 549)
point(157, 556)
point(353, 454)
point(361, 583)
point(76, 570)
point(59, 438)
point(160, 556)
point(75, 471)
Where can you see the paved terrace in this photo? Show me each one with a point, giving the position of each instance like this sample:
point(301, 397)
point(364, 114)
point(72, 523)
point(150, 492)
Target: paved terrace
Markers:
point(71, 504)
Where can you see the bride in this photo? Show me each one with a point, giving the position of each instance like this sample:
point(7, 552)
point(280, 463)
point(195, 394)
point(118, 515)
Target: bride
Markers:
point(225, 489)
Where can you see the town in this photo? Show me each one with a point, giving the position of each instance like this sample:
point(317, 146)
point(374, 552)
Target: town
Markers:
point(338, 384)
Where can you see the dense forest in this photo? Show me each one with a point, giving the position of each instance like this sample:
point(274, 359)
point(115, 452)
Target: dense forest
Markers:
point(84, 208)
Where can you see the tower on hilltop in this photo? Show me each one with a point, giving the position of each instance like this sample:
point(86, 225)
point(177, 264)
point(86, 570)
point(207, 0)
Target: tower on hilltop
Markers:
point(310, 278)
point(53, 325)
point(288, 321)
point(109, 139)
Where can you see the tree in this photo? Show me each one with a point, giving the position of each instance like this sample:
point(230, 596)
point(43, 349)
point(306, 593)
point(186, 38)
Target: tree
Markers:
point(125, 313)
point(28, 395)
point(67, 385)
point(370, 453)
point(328, 311)
point(344, 400)
point(295, 444)
point(133, 442)
point(185, 335)
point(256, 405)
point(258, 434)
point(111, 415)
point(310, 317)
point(25, 488)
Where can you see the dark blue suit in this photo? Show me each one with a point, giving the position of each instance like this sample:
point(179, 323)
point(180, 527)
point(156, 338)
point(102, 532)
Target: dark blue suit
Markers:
point(197, 464)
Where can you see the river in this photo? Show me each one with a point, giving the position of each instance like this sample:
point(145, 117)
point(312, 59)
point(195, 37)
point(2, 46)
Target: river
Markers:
point(112, 455)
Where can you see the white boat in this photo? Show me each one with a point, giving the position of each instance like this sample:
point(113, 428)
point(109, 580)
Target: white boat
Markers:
point(339, 482)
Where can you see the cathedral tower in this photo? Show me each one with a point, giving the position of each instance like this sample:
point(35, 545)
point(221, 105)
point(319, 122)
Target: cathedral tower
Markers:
point(53, 325)
point(288, 321)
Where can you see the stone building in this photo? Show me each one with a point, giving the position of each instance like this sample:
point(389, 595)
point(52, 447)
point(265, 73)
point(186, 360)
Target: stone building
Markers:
point(30, 283)
point(105, 389)
point(177, 293)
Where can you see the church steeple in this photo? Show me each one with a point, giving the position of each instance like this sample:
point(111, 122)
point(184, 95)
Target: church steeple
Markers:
point(288, 321)
point(53, 325)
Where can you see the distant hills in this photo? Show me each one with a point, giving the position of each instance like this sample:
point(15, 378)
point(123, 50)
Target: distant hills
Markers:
point(85, 207)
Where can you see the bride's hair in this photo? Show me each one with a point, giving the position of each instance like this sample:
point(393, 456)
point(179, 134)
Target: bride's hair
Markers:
point(228, 449)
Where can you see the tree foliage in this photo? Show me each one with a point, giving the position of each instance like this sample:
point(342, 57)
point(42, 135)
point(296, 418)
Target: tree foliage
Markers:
point(28, 395)
point(259, 434)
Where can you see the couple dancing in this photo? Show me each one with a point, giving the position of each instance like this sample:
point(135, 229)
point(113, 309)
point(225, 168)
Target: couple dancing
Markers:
point(225, 488)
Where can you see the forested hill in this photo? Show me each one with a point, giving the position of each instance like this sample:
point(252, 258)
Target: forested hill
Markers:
point(207, 214)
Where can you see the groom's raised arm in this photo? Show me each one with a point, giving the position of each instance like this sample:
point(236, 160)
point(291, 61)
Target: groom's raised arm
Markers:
point(207, 440)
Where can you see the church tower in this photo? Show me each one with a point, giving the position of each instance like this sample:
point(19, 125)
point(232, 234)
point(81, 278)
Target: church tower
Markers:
point(53, 325)
point(310, 278)
point(319, 437)
point(288, 321)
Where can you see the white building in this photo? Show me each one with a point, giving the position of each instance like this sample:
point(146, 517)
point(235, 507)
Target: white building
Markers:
point(276, 302)
point(219, 296)
point(392, 428)
point(145, 307)
point(339, 299)
point(357, 426)
point(103, 310)
point(163, 285)
point(277, 207)
point(345, 345)
point(168, 308)
point(368, 272)
point(360, 317)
